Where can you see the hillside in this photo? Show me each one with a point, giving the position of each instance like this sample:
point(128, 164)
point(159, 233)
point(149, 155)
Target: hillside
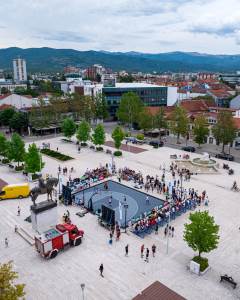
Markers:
point(49, 59)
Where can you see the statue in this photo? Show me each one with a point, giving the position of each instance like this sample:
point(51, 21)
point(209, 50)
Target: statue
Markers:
point(43, 188)
point(205, 156)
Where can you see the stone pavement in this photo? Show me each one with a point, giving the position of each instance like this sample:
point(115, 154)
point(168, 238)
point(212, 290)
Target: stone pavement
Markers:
point(124, 277)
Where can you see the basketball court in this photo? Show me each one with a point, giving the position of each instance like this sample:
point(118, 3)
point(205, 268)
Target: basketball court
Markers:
point(111, 201)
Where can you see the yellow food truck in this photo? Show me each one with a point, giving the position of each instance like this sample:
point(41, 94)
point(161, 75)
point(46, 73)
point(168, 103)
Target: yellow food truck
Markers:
point(12, 191)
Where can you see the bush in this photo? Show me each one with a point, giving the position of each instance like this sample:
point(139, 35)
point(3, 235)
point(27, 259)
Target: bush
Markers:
point(202, 261)
point(140, 136)
point(117, 153)
point(5, 161)
point(155, 146)
point(84, 144)
point(19, 168)
point(56, 154)
point(99, 148)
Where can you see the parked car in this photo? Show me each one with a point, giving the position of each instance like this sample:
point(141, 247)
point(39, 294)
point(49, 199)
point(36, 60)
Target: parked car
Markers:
point(131, 139)
point(156, 143)
point(225, 156)
point(189, 148)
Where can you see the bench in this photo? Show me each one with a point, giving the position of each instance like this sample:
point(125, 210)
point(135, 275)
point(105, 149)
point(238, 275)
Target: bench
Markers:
point(229, 280)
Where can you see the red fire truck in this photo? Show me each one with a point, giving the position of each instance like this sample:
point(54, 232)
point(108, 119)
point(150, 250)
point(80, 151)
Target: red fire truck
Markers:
point(51, 241)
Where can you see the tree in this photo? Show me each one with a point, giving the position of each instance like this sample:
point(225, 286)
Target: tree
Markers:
point(101, 108)
point(202, 233)
point(18, 121)
point(3, 145)
point(179, 122)
point(130, 108)
point(16, 149)
point(83, 132)
point(68, 127)
point(145, 120)
point(200, 130)
point(4, 90)
point(160, 121)
point(33, 160)
point(6, 115)
point(9, 290)
point(118, 136)
point(225, 130)
point(98, 136)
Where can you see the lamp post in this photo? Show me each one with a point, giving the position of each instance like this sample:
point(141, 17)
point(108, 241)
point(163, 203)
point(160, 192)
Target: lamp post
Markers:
point(59, 187)
point(83, 287)
point(181, 176)
point(125, 205)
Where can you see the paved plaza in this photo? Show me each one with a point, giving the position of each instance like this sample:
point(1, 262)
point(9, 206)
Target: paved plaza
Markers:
point(124, 277)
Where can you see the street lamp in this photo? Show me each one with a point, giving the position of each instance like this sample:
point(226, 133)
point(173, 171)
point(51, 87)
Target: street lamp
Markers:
point(83, 287)
point(181, 176)
point(125, 205)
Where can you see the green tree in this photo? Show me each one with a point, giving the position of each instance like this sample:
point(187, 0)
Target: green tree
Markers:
point(6, 115)
point(83, 132)
point(225, 130)
point(101, 108)
point(202, 233)
point(33, 160)
point(160, 121)
point(4, 90)
point(130, 108)
point(179, 122)
point(3, 145)
point(18, 121)
point(16, 149)
point(118, 136)
point(98, 136)
point(9, 290)
point(200, 130)
point(145, 120)
point(68, 127)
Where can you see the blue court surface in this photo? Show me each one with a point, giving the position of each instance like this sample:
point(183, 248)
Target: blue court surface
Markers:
point(115, 197)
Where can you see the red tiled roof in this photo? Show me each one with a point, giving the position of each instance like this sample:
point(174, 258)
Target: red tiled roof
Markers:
point(158, 291)
point(5, 106)
point(153, 110)
point(195, 105)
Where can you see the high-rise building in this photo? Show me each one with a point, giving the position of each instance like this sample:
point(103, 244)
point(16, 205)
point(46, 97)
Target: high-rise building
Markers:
point(19, 70)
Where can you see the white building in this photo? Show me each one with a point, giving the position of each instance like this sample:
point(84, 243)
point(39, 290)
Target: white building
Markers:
point(19, 70)
point(17, 101)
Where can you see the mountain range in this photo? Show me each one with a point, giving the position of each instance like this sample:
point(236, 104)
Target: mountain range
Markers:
point(50, 59)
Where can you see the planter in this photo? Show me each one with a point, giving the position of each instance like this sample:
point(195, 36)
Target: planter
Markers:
point(205, 271)
point(199, 265)
point(117, 153)
point(99, 148)
point(5, 161)
point(55, 154)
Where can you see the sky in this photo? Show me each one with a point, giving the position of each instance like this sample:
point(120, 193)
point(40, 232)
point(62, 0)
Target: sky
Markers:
point(150, 26)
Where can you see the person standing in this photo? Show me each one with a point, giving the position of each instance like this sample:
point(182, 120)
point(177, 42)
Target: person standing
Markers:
point(147, 200)
point(147, 255)
point(19, 211)
point(126, 250)
point(142, 250)
point(110, 238)
point(153, 250)
point(6, 242)
point(101, 270)
point(165, 231)
point(15, 228)
point(156, 228)
point(172, 231)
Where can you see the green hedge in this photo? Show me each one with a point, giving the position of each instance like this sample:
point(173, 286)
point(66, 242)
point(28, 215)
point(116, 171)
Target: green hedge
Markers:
point(56, 154)
point(5, 161)
point(202, 261)
point(140, 136)
point(117, 153)
point(19, 168)
point(84, 144)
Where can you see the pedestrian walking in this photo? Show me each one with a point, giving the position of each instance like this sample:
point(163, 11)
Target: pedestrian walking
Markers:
point(172, 231)
point(6, 242)
point(156, 229)
point(142, 250)
point(147, 255)
point(126, 250)
point(15, 228)
point(57, 149)
point(19, 211)
point(153, 250)
point(101, 270)
point(110, 238)
point(59, 169)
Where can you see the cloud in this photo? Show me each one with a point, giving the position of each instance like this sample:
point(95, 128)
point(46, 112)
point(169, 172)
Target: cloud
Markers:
point(64, 36)
point(210, 26)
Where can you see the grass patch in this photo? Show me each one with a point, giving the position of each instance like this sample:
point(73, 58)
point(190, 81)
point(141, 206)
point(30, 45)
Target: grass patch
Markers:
point(202, 261)
point(56, 154)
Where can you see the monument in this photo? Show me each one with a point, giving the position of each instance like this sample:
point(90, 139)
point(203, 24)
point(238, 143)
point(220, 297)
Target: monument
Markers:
point(43, 214)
